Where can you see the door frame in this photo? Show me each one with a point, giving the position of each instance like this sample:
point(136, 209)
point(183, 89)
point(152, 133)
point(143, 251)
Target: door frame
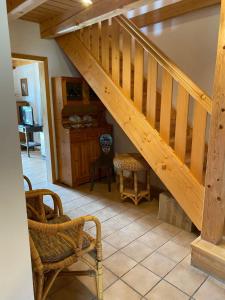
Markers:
point(51, 168)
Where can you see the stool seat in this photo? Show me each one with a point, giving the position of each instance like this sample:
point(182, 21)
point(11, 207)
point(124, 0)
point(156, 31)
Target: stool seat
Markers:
point(134, 163)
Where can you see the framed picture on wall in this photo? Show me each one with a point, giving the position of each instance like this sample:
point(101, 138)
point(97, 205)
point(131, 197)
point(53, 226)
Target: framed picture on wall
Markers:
point(24, 86)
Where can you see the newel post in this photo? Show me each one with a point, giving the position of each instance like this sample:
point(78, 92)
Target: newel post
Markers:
point(208, 252)
point(214, 205)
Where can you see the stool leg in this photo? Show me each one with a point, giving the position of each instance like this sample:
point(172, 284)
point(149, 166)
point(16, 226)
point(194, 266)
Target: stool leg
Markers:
point(136, 188)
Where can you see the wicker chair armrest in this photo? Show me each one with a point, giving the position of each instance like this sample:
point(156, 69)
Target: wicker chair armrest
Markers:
point(36, 194)
point(61, 227)
point(28, 182)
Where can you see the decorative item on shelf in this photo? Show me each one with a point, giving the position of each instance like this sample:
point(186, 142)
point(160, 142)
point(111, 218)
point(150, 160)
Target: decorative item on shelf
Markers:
point(76, 121)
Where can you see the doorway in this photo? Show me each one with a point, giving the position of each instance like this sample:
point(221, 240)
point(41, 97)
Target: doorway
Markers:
point(31, 86)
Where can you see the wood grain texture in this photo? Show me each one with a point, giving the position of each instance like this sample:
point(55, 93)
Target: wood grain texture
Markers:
point(214, 212)
point(115, 52)
point(166, 106)
point(157, 153)
point(181, 122)
point(87, 37)
point(105, 45)
point(126, 71)
point(23, 8)
point(93, 13)
point(151, 101)
point(138, 76)
point(198, 141)
point(95, 33)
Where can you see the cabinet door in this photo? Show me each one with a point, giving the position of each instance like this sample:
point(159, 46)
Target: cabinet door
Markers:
point(83, 153)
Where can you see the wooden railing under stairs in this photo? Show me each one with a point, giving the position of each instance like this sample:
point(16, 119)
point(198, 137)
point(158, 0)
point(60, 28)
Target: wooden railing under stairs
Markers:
point(175, 107)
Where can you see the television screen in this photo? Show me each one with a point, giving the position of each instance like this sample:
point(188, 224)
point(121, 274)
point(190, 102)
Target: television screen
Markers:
point(26, 115)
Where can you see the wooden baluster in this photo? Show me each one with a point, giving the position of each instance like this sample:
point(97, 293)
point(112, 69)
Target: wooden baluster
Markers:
point(105, 45)
point(86, 37)
point(115, 52)
point(166, 105)
point(151, 90)
point(95, 40)
point(181, 122)
point(126, 71)
point(81, 34)
point(198, 141)
point(138, 76)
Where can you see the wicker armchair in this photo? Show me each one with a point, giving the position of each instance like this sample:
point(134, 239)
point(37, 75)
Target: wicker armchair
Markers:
point(59, 242)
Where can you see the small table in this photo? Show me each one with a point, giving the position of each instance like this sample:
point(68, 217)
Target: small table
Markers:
point(27, 130)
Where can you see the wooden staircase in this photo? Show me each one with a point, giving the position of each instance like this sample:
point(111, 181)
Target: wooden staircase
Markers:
point(163, 112)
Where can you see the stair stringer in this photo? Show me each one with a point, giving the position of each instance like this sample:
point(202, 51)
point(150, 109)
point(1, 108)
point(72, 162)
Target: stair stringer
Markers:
point(171, 170)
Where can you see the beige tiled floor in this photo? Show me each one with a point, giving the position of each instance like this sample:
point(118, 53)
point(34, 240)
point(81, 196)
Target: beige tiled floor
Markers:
point(143, 257)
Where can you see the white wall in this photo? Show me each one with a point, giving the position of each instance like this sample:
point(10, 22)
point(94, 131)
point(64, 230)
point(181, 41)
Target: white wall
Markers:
point(15, 267)
point(25, 39)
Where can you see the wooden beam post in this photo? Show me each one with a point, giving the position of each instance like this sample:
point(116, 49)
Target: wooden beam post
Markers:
point(208, 251)
point(214, 207)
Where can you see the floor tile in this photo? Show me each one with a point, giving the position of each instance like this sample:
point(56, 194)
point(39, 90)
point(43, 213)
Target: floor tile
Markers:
point(186, 278)
point(74, 288)
point(165, 291)
point(166, 230)
point(141, 279)
point(150, 220)
point(137, 250)
point(174, 251)
point(184, 238)
point(136, 229)
point(119, 239)
point(158, 264)
point(90, 282)
point(119, 263)
point(211, 289)
point(120, 291)
point(108, 249)
point(153, 240)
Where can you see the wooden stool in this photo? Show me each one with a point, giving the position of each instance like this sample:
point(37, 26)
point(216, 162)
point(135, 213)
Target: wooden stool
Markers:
point(134, 163)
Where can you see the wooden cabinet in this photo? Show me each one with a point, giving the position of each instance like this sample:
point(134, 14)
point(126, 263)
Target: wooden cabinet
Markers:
point(76, 147)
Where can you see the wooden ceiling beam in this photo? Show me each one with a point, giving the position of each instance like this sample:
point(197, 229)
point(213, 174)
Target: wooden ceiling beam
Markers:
point(18, 8)
point(50, 28)
point(171, 10)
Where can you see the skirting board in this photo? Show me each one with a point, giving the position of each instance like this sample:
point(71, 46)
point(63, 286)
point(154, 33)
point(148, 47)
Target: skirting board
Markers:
point(209, 257)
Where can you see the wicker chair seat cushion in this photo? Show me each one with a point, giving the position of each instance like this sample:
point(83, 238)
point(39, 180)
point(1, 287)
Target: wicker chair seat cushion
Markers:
point(130, 162)
point(53, 248)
